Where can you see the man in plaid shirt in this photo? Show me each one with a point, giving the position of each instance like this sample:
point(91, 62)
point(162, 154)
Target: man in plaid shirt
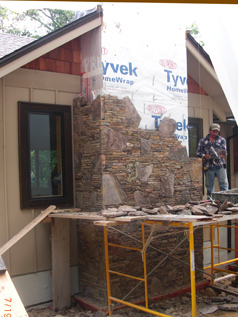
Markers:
point(212, 149)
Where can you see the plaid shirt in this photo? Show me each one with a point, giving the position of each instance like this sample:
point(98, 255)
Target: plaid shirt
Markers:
point(204, 148)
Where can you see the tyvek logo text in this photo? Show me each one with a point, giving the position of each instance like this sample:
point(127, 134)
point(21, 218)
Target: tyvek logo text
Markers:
point(180, 126)
point(156, 109)
point(175, 80)
point(167, 63)
point(127, 70)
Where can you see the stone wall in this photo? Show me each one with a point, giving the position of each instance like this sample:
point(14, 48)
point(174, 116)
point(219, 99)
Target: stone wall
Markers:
point(118, 163)
point(87, 157)
point(165, 273)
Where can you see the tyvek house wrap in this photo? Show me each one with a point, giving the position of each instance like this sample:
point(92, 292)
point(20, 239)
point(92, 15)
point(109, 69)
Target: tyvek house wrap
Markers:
point(144, 58)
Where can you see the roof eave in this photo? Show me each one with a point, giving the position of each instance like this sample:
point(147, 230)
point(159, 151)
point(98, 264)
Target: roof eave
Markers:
point(201, 56)
point(198, 47)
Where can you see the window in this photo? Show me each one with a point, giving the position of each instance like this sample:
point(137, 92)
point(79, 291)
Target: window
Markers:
point(195, 128)
point(45, 155)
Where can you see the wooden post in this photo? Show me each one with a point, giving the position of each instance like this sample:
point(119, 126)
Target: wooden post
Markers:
point(61, 263)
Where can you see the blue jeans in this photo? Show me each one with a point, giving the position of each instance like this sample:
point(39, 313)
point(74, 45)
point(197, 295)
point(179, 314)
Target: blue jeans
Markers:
point(221, 177)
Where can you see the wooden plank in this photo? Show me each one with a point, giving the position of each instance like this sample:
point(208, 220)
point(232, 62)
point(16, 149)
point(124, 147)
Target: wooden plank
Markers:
point(77, 215)
point(118, 220)
point(11, 304)
point(107, 223)
point(215, 220)
point(178, 218)
point(26, 229)
point(224, 288)
point(66, 210)
point(128, 218)
point(61, 263)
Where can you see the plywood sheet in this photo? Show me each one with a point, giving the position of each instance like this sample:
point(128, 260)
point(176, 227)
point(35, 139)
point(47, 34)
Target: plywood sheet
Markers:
point(11, 304)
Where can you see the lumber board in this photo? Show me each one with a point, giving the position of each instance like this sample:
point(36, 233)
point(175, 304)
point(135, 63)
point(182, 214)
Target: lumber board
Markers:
point(216, 219)
point(66, 210)
point(26, 229)
point(128, 218)
point(118, 220)
point(61, 263)
point(77, 215)
point(107, 223)
point(178, 218)
point(11, 304)
point(224, 288)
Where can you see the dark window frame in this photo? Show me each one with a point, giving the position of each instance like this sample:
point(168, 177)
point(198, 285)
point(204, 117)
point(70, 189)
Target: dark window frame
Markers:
point(66, 199)
point(198, 123)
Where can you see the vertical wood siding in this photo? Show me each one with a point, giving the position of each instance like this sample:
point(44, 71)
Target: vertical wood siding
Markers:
point(65, 59)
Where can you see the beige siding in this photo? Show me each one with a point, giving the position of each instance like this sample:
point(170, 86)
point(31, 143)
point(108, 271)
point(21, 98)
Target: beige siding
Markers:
point(45, 96)
point(201, 107)
point(43, 245)
point(3, 193)
point(33, 252)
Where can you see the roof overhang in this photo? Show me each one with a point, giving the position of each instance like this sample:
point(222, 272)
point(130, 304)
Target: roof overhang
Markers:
point(49, 42)
point(201, 70)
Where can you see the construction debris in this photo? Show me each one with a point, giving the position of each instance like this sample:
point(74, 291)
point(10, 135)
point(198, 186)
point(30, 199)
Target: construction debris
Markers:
point(207, 208)
point(209, 301)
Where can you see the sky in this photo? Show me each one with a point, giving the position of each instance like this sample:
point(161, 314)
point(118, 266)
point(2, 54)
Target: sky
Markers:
point(21, 6)
point(193, 10)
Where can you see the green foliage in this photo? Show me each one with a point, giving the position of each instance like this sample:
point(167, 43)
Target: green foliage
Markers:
point(41, 172)
point(33, 23)
point(194, 31)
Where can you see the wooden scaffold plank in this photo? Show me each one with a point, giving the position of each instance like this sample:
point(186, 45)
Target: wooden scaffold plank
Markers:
point(26, 229)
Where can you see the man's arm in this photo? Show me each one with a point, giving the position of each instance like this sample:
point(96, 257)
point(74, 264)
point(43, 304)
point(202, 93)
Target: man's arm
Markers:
point(201, 151)
point(222, 152)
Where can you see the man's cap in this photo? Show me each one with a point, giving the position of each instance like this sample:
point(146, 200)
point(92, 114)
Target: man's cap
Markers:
point(215, 126)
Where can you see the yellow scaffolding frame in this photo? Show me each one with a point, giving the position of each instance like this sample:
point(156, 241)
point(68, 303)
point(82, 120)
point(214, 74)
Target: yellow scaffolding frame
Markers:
point(143, 251)
point(214, 265)
point(97, 221)
point(214, 245)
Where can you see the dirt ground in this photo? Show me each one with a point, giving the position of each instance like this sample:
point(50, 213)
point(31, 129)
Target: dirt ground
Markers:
point(209, 302)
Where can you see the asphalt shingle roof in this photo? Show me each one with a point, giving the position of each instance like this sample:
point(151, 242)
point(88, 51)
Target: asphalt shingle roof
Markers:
point(10, 43)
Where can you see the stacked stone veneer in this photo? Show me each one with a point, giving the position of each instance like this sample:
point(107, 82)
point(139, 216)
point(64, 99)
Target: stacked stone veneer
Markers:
point(118, 163)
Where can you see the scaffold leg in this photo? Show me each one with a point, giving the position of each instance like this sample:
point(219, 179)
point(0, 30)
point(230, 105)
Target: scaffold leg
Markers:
point(192, 270)
point(107, 270)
